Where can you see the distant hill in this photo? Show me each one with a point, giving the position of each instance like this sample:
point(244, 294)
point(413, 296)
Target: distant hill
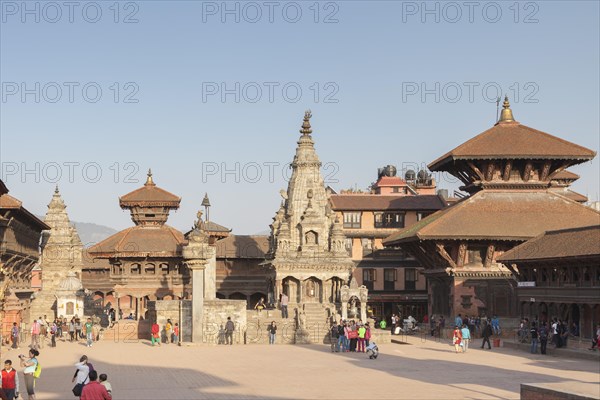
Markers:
point(90, 233)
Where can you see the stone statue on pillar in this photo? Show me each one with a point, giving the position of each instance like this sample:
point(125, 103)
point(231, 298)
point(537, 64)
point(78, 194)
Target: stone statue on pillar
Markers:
point(197, 254)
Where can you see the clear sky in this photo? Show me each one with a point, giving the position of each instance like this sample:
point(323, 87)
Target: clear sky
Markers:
point(207, 94)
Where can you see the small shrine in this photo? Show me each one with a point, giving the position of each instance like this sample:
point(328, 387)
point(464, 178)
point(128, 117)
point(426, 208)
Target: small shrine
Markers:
point(354, 301)
point(69, 296)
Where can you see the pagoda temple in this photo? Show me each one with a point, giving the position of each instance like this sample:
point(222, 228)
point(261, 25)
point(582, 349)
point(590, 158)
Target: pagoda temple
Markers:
point(510, 171)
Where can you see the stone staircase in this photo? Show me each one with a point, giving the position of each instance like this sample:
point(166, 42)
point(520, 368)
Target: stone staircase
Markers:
point(317, 325)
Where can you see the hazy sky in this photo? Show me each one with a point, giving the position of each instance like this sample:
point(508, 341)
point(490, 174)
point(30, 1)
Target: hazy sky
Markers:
point(211, 95)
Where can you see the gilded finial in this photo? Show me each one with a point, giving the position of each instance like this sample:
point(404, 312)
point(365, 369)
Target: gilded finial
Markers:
point(149, 181)
point(306, 129)
point(56, 189)
point(506, 114)
point(199, 216)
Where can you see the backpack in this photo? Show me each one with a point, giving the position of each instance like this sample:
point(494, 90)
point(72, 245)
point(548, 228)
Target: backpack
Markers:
point(340, 329)
point(90, 366)
point(38, 370)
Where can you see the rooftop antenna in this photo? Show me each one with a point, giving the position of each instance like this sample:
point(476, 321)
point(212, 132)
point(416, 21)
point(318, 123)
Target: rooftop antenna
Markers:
point(497, 109)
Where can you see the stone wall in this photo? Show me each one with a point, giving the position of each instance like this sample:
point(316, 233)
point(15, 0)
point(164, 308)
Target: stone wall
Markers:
point(215, 318)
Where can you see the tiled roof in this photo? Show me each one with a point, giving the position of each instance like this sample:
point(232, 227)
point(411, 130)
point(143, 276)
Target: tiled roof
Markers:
point(143, 241)
point(511, 140)
point(149, 195)
point(89, 262)
point(568, 193)
point(566, 175)
point(390, 181)
point(573, 242)
point(506, 215)
point(9, 202)
point(369, 202)
point(243, 246)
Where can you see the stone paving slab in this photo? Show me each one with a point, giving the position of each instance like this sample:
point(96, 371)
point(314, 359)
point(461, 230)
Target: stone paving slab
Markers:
point(418, 370)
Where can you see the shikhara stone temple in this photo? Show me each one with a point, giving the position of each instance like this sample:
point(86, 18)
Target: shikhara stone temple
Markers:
point(332, 254)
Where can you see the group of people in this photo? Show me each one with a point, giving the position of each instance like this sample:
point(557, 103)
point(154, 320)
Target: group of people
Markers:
point(89, 385)
point(350, 336)
point(475, 325)
point(169, 334)
point(41, 329)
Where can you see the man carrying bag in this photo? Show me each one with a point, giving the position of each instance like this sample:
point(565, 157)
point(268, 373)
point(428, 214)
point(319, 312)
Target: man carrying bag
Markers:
point(82, 375)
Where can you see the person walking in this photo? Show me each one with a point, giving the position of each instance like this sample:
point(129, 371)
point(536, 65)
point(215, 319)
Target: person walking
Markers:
point(72, 329)
point(14, 336)
point(53, 332)
point(176, 333)
point(229, 328)
point(169, 329)
point(30, 365)
point(89, 332)
point(35, 334)
point(284, 305)
point(155, 334)
point(77, 329)
point(534, 338)
point(272, 332)
point(487, 332)
point(367, 334)
point(466, 337)
point(543, 336)
point(94, 390)
point(9, 381)
point(457, 339)
point(393, 324)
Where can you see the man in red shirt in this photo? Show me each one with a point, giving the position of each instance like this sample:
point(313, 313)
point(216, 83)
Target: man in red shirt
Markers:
point(94, 390)
point(9, 381)
point(155, 333)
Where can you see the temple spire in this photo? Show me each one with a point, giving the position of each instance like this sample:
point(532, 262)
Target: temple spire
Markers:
point(306, 128)
point(149, 181)
point(506, 113)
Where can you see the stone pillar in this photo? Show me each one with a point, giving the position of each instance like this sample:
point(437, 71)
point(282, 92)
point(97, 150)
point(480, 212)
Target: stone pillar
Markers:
point(344, 310)
point(363, 311)
point(210, 278)
point(278, 289)
point(300, 292)
point(197, 268)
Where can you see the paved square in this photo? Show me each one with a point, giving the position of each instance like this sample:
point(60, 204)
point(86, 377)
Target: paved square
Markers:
point(420, 370)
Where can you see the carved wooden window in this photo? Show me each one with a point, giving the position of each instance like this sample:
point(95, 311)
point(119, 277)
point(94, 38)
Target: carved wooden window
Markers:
point(164, 269)
point(352, 220)
point(149, 269)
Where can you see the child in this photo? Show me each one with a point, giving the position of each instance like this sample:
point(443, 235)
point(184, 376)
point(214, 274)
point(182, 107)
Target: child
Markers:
point(103, 381)
point(176, 333)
